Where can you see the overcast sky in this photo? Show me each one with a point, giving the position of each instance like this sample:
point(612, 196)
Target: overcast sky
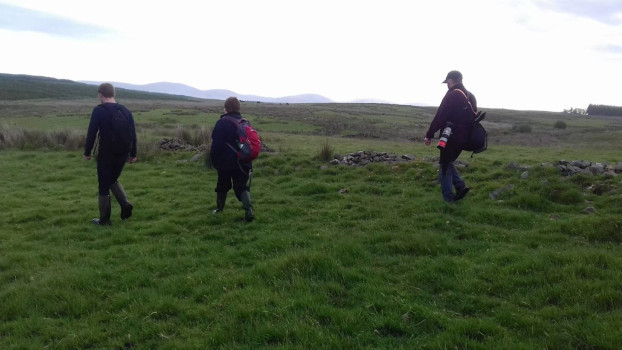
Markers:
point(515, 54)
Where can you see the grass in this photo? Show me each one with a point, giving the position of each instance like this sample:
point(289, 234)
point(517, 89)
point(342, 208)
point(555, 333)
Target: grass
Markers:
point(384, 264)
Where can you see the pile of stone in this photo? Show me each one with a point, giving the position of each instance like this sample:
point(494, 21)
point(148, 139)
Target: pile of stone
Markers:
point(362, 158)
point(568, 168)
point(176, 144)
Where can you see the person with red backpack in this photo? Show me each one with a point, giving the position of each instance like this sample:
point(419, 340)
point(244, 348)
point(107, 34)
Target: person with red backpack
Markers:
point(454, 118)
point(230, 138)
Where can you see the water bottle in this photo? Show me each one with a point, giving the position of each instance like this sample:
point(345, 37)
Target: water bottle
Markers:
point(442, 141)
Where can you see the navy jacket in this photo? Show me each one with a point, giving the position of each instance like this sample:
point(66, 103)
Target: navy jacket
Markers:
point(101, 122)
point(454, 108)
point(222, 156)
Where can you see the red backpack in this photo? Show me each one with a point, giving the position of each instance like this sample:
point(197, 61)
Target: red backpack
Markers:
point(247, 142)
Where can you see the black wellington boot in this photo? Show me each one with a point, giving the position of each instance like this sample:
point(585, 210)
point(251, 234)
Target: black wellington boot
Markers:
point(248, 206)
point(104, 211)
point(221, 199)
point(119, 194)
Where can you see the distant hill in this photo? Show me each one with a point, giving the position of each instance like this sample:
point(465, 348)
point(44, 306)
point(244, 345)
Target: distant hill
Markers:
point(27, 87)
point(216, 94)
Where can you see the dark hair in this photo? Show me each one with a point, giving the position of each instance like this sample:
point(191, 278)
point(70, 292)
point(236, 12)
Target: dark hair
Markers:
point(106, 89)
point(232, 105)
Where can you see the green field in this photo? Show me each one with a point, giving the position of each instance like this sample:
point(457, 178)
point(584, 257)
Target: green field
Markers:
point(337, 258)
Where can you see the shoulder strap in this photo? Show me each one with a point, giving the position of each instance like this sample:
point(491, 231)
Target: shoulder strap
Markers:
point(467, 99)
point(234, 120)
point(113, 108)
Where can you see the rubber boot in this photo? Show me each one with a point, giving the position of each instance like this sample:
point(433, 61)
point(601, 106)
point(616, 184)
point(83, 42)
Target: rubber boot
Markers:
point(104, 211)
point(221, 199)
point(248, 206)
point(119, 194)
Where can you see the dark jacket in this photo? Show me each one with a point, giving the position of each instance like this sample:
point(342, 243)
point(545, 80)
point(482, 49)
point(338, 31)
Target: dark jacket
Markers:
point(454, 108)
point(101, 122)
point(222, 156)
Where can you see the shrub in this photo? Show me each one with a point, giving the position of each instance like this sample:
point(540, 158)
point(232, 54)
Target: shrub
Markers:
point(560, 124)
point(523, 128)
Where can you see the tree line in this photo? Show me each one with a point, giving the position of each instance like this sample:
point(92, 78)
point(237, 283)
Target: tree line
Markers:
point(604, 110)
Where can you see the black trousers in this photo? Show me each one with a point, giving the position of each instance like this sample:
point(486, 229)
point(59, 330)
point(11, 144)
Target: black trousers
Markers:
point(235, 178)
point(109, 168)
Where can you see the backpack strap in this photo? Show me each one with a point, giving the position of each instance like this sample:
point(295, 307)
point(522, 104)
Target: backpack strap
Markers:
point(467, 99)
point(236, 122)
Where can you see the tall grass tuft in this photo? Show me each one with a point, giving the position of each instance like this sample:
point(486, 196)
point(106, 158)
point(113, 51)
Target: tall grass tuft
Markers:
point(193, 135)
point(326, 152)
point(147, 150)
point(202, 136)
point(26, 139)
point(183, 133)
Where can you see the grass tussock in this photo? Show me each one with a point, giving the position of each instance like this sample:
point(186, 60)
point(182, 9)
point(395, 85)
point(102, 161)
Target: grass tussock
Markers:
point(326, 152)
point(28, 139)
point(193, 135)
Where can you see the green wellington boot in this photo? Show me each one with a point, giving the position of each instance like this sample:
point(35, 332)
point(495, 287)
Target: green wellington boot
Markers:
point(119, 193)
point(221, 199)
point(248, 206)
point(104, 211)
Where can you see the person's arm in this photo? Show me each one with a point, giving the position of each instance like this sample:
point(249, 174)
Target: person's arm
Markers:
point(439, 121)
point(218, 142)
point(91, 134)
point(134, 149)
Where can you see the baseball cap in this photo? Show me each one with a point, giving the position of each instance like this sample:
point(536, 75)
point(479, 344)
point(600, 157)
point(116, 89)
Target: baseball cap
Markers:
point(453, 75)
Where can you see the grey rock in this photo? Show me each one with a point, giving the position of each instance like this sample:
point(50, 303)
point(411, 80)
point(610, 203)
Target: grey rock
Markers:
point(496, 193)
point(589, 210)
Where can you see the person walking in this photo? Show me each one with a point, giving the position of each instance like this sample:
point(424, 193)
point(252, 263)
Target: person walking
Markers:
point(223, 156)
point(456, 111)
point(113, 124)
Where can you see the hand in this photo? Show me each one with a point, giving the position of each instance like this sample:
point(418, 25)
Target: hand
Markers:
point(132, 160)
point(87, 157)
point(427, 141)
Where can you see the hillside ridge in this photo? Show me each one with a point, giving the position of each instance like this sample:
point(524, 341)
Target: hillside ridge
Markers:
point(15, 87)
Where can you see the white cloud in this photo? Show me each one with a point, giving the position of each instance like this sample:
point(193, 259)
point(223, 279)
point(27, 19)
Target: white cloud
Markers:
point(513, 54)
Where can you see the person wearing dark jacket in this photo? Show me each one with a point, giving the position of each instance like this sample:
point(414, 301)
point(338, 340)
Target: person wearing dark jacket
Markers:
point(224, 157)
point(457, 110)
point(110, 160)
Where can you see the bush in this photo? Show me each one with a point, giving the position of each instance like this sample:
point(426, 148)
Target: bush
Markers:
point(560, 124)
point(523, 128)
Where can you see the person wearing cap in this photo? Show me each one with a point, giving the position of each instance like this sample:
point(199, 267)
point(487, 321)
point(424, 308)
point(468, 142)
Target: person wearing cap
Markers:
point(456, 111)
